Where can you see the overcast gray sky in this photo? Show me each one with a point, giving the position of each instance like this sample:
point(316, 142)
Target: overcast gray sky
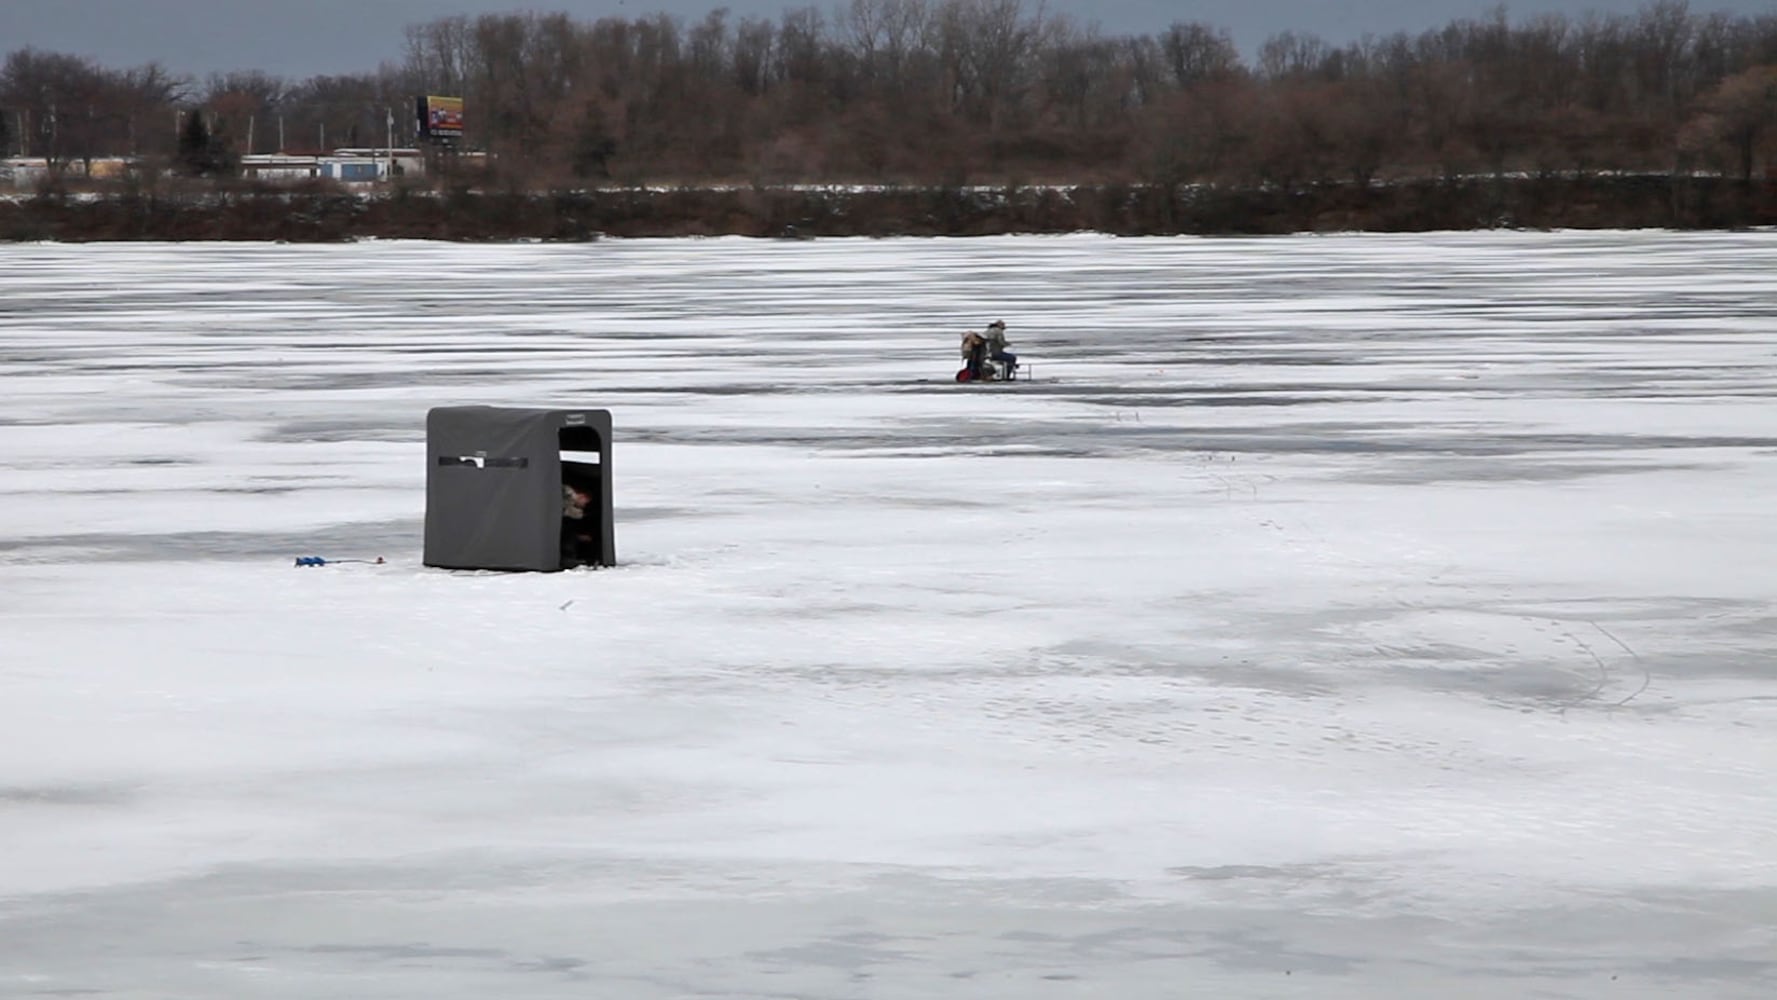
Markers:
point(301, 38)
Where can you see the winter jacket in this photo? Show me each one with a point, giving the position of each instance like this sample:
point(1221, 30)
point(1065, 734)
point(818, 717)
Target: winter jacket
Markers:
point(972, 342)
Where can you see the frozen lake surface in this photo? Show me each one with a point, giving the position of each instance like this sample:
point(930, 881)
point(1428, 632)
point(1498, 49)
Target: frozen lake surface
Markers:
point(1340, 617)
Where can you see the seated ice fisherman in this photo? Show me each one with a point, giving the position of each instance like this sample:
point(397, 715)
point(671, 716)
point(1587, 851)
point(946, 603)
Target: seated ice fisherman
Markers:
point(996, 347)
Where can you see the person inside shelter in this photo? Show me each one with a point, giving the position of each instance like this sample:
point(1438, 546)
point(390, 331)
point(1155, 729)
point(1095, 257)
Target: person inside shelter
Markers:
point(577, 544)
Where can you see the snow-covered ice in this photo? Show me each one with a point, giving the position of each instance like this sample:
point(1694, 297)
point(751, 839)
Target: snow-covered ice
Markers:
point(1332, 617)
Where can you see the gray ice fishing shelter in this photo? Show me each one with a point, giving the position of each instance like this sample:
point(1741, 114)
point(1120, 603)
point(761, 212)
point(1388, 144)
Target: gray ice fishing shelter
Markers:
point(494, 478)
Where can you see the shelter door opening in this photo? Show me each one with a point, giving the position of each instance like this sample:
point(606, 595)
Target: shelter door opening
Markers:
point(582, 504)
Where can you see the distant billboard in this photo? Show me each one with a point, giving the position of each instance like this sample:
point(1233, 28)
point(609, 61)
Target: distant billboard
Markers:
point(441, 117)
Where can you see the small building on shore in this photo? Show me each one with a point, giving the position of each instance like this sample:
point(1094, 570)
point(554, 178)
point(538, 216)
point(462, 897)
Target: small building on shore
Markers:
point(346, 166)
point(280, 167)
point(22, 171)
point(29, 171)
point(371, 165)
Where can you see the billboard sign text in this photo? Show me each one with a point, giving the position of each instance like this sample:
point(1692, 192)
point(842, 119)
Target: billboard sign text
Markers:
point(441, 117)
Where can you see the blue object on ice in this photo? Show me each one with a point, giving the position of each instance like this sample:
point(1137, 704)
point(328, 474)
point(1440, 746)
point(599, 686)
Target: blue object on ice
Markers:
point(318, 561)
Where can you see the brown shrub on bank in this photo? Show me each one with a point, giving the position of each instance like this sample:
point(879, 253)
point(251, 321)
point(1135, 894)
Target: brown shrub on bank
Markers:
point(320, 213)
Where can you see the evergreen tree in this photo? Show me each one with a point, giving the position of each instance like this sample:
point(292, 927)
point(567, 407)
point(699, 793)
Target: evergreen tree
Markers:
point(194, 146)
point(202, 151)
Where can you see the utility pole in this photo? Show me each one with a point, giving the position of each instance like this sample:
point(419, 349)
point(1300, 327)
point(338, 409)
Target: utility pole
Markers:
point(390, 112)
point(251, 121)
point(280, 133)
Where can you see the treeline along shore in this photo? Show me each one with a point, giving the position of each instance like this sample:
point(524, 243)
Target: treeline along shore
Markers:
point(316, 213)
point(921, 116)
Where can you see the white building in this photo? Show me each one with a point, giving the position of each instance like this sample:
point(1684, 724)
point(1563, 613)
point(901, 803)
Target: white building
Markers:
point(370, 165)
point(280, 167)
point(22, 171)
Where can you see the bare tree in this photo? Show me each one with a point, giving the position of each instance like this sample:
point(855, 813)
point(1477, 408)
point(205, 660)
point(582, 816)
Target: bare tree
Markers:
point(247, 104)
point(1199, 135)
point(439, 54)
point(987, 45)
point(889, 39)
point(56, 95)
point(1741, 113)
point(801, 36)
point(1196, 53)
point(1289, 54)
point(755, 52)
